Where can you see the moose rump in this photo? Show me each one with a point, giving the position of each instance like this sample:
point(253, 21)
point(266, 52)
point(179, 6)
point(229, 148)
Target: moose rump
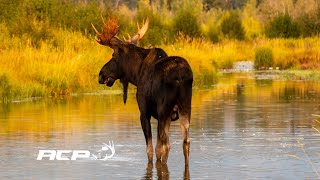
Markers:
point(171, 87)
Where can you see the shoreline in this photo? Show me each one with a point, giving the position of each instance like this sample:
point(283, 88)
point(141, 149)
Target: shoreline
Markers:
point(272, 75)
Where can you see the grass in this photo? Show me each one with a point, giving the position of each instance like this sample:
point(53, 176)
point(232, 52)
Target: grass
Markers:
point(67, 65)
point(295, 53)
point(69, 62)
point(305, 75)
point(263, 58)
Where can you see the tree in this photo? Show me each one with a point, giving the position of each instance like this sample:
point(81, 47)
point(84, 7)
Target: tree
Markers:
point(231, 26)
point(223, 4)
point(282, 26)
point(250, 22)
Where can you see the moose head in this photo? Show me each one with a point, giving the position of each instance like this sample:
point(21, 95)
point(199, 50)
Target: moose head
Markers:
point(124, 64)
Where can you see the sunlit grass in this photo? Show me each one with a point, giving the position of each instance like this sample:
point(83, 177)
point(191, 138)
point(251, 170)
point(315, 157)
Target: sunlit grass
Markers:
point(67, 65)
point(294, 53)
point(69, 62)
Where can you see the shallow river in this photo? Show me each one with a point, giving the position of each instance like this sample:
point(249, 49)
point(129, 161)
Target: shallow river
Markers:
point(241, 128)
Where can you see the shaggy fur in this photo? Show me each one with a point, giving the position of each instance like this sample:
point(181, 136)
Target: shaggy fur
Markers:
point(164, 91)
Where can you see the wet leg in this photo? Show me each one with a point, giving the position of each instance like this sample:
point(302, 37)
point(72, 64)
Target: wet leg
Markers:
point(185, 127)
point(163, 145)
point(146, 126)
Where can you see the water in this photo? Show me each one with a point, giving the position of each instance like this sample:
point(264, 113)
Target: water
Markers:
point(241, 128)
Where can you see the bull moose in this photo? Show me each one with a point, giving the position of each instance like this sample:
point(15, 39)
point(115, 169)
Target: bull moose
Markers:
point(164, 85)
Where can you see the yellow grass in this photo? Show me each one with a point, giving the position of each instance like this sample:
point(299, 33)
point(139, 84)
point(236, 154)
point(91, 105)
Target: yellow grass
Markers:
point(70, 62)
point(70, 67)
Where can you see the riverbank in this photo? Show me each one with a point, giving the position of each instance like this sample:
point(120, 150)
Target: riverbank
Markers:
point(70, 62)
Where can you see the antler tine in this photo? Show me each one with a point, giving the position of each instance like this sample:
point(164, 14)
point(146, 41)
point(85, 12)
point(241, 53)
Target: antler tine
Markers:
point(139, 26)
point(144, 28)
point(125, 39)
point(103, 21)
point(95, 30)
point(141, 32)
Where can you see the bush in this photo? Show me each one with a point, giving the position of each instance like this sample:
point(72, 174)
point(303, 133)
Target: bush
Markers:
point(5, 88)
point(309, 24)
point(213, 33)
point(9, 10)
point(263, 58)
point(40, 9)
point(66, 14)
point(282, 26)
point(231, 26)
point(187, 23)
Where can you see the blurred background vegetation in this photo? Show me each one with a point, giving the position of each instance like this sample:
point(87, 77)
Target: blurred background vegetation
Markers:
point(48, 49)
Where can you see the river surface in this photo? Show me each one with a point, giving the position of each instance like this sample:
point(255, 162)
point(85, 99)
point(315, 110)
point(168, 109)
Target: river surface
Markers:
point(243, 127)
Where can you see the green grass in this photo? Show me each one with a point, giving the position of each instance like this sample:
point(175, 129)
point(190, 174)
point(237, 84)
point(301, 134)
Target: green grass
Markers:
point(263, 58)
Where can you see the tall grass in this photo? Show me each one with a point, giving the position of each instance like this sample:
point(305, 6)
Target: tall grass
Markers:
point(70, 62)
point(263, 58)
point(302, 53)
point(44, 53)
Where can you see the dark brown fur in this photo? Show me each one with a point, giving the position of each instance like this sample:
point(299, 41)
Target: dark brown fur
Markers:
point(164, 91)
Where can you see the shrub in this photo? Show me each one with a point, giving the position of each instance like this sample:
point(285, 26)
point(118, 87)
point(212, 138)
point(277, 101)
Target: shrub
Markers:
point(231, 26)
point(213, 33)
point(5, 88)
point(263, 58)
point(282, 26)
point(9, 10)
point(309, 24)
point(187, 23)
point(40, 9)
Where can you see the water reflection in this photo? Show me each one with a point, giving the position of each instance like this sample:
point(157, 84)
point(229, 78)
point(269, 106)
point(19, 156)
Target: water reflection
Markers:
point(241, 128)
point(162, 172)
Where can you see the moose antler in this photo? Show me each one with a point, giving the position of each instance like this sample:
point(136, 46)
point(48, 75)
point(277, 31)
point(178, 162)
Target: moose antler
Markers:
point(141, 32)
point(109, 30)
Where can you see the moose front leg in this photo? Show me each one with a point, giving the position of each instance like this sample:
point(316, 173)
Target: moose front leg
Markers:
point(145, 117)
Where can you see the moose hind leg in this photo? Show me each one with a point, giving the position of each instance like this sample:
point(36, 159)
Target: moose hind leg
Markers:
point(163, 145)
point(159, 144)
point(185, 128)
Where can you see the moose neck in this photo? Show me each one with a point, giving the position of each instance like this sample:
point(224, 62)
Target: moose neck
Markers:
point(132, 66)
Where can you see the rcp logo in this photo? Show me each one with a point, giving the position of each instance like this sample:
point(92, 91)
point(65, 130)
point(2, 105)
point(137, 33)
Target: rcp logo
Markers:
point(106, 151)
